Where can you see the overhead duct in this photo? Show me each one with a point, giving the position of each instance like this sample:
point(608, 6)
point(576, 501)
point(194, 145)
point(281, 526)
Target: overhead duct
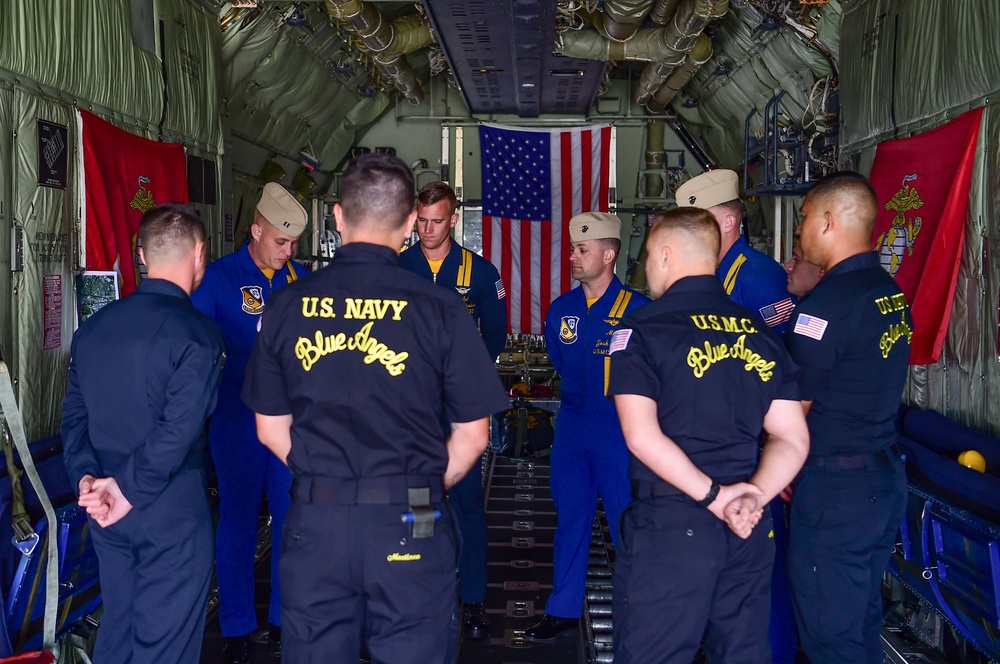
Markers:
point(622, 18)
point(687, 25)
point(677, 79)
point(646, 45)
point(662, 11)
point(388, 43)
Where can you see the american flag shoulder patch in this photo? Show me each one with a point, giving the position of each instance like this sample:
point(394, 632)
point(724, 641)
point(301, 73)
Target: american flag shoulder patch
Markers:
point(619, 340)
point(810, 326)
point(501, 291)
point(777, 313)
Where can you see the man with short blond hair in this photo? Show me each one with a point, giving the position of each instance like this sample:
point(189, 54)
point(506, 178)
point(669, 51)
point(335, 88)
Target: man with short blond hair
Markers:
point(442, 260)
point(695, 377)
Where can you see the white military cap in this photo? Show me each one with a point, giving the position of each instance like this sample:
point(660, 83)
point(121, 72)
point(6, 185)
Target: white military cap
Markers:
point(594, 226)
point(709, 189)
point(282, 210)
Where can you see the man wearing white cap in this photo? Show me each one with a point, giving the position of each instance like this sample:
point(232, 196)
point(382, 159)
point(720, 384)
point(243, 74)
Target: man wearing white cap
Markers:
point(589, 456)
point(233, 292)
point(751, 279)
point(758, 283)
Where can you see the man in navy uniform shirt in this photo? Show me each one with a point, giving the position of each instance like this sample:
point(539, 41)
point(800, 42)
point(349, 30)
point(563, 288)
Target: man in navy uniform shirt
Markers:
point(143, 378)
point(589, 457)
point(695, 378)
point(354, 370)
point(750, 278)
point(441, 260)
point(234, 293)
point(757, 282)
point(851, 336)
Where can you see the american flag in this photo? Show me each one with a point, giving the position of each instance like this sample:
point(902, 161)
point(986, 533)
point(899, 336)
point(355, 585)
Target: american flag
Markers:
point(777, 313)
point(810, 326)
point(534, 180)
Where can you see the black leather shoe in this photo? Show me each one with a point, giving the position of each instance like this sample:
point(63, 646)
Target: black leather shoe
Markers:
point(549, 627)
point(273, 640)
point(475, 624)
point(236, 650)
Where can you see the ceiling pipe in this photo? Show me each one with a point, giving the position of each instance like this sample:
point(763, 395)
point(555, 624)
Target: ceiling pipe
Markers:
point(662, 11)
point(647, 45)
point(690, 19)
point(622, 18)
point(677, 79)
point(388, 43)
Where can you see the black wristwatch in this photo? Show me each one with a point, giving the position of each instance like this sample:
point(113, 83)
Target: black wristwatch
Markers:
point(710, 498)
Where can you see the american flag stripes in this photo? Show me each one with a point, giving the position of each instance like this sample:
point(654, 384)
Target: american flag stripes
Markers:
point(810, 326)
point(534, 181)
point(777, 313)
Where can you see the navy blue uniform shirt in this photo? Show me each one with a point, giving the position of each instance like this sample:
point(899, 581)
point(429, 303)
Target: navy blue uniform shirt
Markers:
point(369, 361)
point(851, 336)
point(712, 367)
point(478, 283)
point(143, 379)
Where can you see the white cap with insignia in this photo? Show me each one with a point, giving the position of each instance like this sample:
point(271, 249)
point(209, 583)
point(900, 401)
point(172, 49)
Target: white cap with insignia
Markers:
point(709, 189)
point(594, 226)
point(282, 210)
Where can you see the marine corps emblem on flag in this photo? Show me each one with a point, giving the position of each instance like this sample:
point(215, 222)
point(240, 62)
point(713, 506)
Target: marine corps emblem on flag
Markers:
point(253, 299)
point(896, 243)
point(142, 200)
point(567, 329)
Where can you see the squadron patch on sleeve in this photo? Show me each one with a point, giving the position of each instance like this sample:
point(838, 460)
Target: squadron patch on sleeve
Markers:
point(619, 340)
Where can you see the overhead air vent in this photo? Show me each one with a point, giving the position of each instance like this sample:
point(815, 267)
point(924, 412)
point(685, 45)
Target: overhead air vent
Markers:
point(500, 52)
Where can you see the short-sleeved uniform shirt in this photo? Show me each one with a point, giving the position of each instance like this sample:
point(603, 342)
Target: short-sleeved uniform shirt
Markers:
point(756, 281)
point(369, 361)
point(476, 281)
point(712, 367)
point(851, 337)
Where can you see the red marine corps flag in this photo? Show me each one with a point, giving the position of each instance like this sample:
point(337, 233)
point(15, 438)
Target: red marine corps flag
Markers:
point(922, 185)
point(124, 175)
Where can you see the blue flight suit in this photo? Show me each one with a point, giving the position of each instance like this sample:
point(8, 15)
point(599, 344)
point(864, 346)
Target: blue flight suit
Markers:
point(143, 378)
point(682, 578)
point(851, 336)
point(757, 282)
point(478, 283)
point(368, 361)
point(589, 456)
point(233, 293)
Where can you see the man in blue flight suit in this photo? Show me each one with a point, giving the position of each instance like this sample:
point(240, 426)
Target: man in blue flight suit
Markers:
point(234, 293)
point(143, 378)
point(757, 282)
point(695, 377)
point(449, 264)
point(851, 336)
point(589, 457)
point(353, 371)
point(750, 278)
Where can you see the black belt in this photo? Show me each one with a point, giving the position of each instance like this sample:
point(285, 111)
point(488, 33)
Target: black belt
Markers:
point(869, 461)
point(386, 490)
point(644, 489)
